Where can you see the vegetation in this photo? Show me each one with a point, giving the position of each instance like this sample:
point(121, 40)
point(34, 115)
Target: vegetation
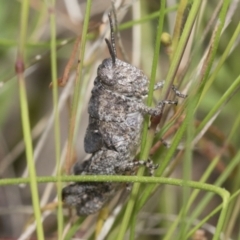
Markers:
point(194, 45)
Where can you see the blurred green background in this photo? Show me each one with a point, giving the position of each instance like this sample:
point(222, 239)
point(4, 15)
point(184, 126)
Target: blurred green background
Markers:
point(138, 40)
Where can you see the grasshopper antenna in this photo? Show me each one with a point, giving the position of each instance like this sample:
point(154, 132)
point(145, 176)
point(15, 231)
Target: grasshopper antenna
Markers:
point(111, 46)
point(117, 33)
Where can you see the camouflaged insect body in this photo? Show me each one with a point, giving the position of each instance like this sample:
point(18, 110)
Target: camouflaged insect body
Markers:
point(113, 134)
point(116, 113)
